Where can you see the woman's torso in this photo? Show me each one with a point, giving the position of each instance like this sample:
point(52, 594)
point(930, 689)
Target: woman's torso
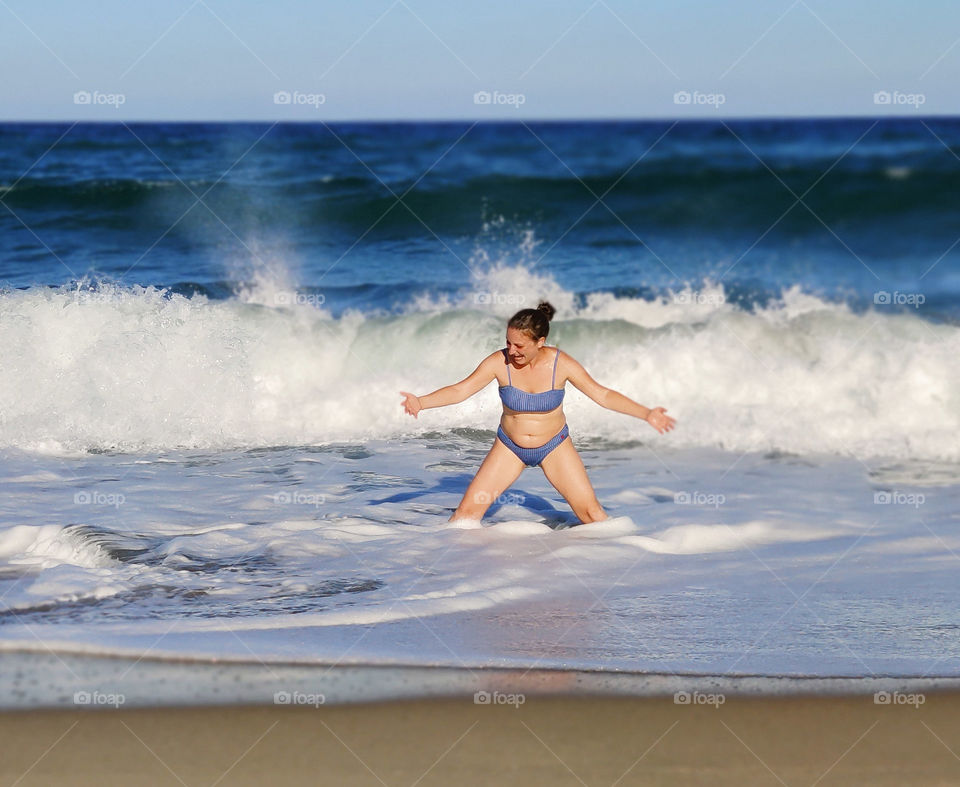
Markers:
point(533, 429)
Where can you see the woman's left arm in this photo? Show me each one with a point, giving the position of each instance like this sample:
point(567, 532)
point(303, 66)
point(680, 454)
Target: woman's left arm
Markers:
point(614, 400)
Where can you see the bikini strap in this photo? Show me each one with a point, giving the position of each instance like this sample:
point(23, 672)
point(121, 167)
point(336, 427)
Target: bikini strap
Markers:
point(556, 358)
point(509, 379)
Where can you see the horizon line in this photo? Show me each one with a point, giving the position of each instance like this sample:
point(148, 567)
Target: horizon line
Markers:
point(598, 119)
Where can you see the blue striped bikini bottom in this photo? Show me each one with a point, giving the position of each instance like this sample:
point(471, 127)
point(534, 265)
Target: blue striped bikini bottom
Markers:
point(533, 456)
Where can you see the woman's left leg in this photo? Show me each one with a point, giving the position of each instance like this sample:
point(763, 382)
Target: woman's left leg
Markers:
point(565, 471)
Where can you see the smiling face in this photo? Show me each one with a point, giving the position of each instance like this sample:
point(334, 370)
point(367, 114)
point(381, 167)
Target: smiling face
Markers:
point(521, 349)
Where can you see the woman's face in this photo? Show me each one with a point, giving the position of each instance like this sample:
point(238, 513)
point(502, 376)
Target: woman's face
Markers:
point(521, 349)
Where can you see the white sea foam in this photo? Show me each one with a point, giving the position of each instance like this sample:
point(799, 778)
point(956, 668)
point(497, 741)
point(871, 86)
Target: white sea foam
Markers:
point(44, 546)
point(139, 369)
point(719, 537)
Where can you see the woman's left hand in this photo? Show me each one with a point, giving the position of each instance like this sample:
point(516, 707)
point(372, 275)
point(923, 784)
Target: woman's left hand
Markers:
point(659, 420)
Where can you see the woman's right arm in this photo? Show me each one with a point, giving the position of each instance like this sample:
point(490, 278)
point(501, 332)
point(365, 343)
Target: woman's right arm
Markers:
point(453, 394)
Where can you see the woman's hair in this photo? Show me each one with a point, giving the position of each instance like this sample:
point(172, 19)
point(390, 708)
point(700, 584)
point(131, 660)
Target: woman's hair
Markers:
point(534, 322)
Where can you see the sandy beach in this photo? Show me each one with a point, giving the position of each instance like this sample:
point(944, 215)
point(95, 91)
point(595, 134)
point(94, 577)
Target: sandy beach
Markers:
point(555, 740)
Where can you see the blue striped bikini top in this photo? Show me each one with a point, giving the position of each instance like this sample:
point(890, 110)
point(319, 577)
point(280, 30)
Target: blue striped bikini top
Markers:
point(526, 402)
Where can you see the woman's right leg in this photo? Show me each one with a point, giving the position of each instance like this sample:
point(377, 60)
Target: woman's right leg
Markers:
point(497, 472)
point(564, 469)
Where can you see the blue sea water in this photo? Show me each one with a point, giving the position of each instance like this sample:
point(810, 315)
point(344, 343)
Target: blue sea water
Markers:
point(204, 330)
point(628, 208)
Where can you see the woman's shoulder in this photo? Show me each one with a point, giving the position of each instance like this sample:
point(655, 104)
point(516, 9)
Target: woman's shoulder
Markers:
point(497, 357)
point(565, 363)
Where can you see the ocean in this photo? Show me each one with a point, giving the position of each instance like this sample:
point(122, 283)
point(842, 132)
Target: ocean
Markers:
point(204, 330)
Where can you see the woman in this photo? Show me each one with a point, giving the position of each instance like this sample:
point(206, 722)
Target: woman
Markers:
point(533, 430)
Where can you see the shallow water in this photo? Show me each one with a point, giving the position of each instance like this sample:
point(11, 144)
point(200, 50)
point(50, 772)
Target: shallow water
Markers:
point(329, 555)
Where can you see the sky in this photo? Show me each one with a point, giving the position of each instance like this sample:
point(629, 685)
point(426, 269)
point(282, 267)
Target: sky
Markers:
point(519, 59)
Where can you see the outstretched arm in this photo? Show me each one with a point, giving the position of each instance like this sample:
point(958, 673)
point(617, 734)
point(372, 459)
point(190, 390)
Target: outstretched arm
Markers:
point(614, 400)
point(453, 394)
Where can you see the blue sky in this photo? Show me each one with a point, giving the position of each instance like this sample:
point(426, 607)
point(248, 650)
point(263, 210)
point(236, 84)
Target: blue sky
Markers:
point(426, 59)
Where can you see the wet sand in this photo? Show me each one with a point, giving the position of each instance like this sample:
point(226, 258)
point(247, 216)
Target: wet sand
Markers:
point(544, 741)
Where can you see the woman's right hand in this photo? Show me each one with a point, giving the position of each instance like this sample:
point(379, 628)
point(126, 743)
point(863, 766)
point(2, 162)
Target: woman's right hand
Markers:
point(411, 403)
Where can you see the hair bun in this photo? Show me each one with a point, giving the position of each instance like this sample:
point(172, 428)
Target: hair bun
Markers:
point(547, 309)
point(533, 322)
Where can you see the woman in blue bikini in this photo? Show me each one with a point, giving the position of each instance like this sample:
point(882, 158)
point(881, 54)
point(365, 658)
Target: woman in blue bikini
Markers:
point(533, 430)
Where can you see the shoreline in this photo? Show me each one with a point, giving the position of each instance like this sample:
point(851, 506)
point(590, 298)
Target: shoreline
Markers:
point(34, 680)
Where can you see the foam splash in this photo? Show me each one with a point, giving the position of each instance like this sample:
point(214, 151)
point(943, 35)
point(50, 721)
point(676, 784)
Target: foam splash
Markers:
point(45, 546)
point(137, 369)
